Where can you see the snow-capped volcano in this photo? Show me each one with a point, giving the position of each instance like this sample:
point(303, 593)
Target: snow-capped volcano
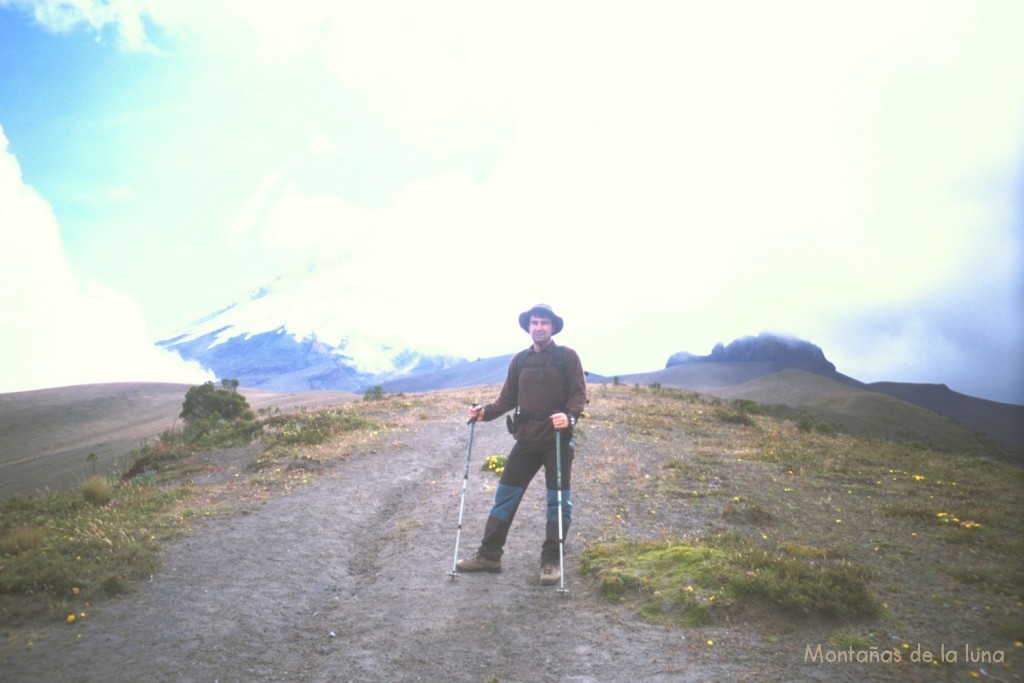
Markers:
point(304, 331)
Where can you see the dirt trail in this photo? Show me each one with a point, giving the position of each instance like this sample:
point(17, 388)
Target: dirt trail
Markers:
point(346, 580)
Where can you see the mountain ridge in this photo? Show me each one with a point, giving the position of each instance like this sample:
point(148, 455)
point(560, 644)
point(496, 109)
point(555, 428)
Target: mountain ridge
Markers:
point(772, 383)
point(265, 344)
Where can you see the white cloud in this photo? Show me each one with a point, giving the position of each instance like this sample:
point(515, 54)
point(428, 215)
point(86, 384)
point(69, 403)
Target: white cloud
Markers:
point(672, 174)
point(58, 329)
point(126, 17)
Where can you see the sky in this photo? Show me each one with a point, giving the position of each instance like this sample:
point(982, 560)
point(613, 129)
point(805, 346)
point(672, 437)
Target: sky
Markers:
point(666, 175)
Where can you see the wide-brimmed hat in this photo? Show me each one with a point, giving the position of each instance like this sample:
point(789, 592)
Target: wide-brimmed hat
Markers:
point(541, 310)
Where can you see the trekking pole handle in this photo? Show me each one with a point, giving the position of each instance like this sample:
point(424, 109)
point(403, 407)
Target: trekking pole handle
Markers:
point(471, 421)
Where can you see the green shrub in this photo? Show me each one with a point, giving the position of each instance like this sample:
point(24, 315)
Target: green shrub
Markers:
point(739, 412)
point(825, 428)
point(206, 405)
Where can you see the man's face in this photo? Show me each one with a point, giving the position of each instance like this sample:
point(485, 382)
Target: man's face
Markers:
point(540, 330)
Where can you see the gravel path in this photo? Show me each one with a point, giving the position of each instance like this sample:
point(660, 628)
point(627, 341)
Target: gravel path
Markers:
point(347, 580)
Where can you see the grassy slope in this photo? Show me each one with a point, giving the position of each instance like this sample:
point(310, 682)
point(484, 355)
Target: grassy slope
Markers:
point(859, 411)
point(938, 532)
point(46, 435)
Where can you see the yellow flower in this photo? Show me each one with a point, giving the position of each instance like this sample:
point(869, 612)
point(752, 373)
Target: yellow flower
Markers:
point(711, 642)
point(689, 589)
point(71, 618)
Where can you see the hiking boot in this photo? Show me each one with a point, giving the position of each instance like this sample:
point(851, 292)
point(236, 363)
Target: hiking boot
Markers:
point(478, 564)
point(549, 574)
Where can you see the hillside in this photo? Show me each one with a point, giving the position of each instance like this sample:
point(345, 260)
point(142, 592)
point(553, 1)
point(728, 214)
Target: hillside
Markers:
point(330, 560)
point(856, 410)
point(763, 372)
point(47, 435)
point(1000, 420)
point(259, 343)
point(892, 410)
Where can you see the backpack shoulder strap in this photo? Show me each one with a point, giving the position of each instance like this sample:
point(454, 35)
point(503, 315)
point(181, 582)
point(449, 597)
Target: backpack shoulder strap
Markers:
point(521, 361)
point(559, 354)
point(560, 364)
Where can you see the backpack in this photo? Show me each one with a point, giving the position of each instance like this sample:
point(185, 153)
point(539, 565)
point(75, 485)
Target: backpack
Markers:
point(513, 421)
point(559, 353)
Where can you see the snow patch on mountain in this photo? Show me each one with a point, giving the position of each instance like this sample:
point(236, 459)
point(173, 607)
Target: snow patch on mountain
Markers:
point(304, 331)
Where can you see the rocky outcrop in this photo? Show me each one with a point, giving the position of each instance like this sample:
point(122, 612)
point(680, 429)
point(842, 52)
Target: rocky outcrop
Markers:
point(764, 348)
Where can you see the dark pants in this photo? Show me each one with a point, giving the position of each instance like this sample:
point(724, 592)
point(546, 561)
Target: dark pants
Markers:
point(523, 463)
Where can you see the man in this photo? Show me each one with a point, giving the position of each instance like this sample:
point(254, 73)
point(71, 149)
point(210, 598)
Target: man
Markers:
point(547, 389)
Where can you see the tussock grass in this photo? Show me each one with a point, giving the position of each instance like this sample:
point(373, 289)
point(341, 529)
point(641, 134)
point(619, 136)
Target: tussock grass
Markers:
point(96, 490)
point(21, 538)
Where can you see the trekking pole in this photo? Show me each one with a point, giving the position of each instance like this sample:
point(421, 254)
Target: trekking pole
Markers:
point(465, 478)
point(561, 541)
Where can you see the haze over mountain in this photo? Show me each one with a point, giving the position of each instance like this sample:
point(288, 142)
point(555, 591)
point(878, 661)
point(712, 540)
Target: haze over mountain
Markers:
point(271, 342)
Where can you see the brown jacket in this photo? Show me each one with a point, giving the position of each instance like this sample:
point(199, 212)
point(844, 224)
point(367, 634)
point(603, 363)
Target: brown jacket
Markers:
point(540, 392)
